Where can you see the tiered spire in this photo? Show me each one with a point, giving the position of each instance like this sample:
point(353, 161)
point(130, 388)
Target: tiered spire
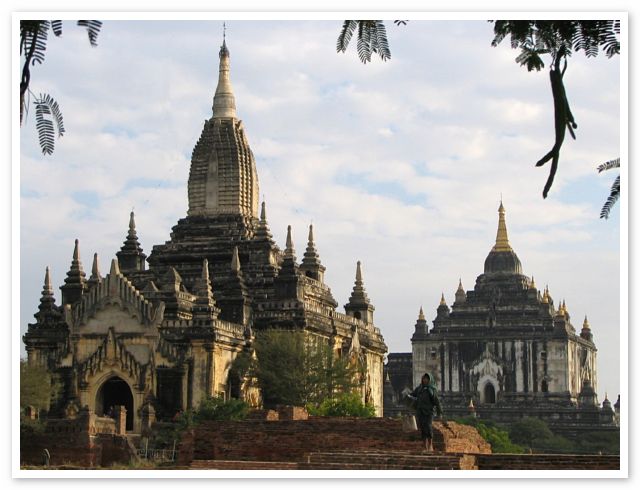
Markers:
point(130, 256)
point(502, 259)
point(47, 299)
point(311, 262)
point(235, 301)
point(502, 239)
point(289, 251)
point(75, 283)
point(421, 327)
point(585, 333)
point(359, 305)
point(461, 295)
point(443, 310)
point(48, 313)
point(262, 230)
point(289, 265)
point(205, 306)
point(224, 102)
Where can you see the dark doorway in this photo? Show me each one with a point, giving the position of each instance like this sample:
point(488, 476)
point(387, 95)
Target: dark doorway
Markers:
point(489, 393)
point(113, 392)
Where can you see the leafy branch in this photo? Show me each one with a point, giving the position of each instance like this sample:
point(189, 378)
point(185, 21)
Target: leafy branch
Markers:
point(33, 46)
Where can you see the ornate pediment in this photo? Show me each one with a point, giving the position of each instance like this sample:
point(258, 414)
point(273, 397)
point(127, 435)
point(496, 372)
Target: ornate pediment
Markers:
point(487, 365)
point(113, 354)
point(117, 290)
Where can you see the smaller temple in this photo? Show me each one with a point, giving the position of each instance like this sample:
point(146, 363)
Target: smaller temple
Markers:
point(508, 349)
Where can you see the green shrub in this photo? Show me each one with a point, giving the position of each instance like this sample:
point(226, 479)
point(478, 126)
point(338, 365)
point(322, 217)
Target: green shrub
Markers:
point(497, 437)
point(219, 409)
point(344, 405)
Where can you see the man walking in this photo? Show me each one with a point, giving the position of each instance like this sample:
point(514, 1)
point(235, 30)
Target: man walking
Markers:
point(426, 403)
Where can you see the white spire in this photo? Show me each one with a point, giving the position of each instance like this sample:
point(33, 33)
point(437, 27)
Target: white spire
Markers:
point(224, 102)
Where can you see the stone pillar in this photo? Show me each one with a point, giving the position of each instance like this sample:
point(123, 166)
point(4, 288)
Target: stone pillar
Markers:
point(121, 420)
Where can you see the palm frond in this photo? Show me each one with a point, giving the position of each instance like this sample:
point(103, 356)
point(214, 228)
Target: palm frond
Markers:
point(348, 27)
point(612, 199)
point(372, 38)
point(364, 41)
point(345, 35)
point(33, 40)
point(47, 115)
point(381, 45)
point(93, 29)
point(56, 27)
point(609, 165)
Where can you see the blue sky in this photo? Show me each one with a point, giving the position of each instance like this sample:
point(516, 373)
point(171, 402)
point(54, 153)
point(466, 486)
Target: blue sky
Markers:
point(400, 164)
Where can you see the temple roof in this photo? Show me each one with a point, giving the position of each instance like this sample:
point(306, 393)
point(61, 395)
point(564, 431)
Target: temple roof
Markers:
point(502, 258)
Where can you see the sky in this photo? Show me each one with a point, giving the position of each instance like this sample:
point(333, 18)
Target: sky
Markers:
point(398, 164)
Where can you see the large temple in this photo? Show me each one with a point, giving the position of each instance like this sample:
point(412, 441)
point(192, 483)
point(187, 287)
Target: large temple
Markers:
point(160, 339)
point(505, 349)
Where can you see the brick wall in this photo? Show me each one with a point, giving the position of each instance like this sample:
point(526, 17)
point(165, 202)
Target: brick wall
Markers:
point(85, 441)
point(290, 440)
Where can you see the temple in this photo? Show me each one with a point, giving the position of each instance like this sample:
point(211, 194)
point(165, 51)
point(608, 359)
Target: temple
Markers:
point(505, 349)
point(159, 339)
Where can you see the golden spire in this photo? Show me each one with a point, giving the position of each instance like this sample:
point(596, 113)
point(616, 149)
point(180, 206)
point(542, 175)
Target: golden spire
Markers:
point(442, 301)
point(421, 314)
point(545, 296)
point(533, 283)
point(502, 240)
point(585, 324)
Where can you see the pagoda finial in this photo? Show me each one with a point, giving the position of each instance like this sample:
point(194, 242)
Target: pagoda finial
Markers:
point(47, 312)
point(132, 223)
point(442, 300)
point(358, 273)
point(75, 282)
point(311, 235)
point(224, 102)
point(48, 289)
point(131, 257)
point(460, 296)
point(95, 277)
point(502, 240)
point(95, 270)
point(586, 324)
point(263, 213)
point(421, 314)
point(289, 250)
point(533, 283)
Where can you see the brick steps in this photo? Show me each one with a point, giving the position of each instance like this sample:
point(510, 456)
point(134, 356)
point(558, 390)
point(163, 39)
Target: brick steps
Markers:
point(347, 460)
point(547, 462)
point(219, 464)
point(407, 460)
point(386, 460)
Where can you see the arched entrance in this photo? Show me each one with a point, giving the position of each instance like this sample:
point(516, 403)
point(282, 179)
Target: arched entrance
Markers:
point(489, 393)
point(113, 392)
